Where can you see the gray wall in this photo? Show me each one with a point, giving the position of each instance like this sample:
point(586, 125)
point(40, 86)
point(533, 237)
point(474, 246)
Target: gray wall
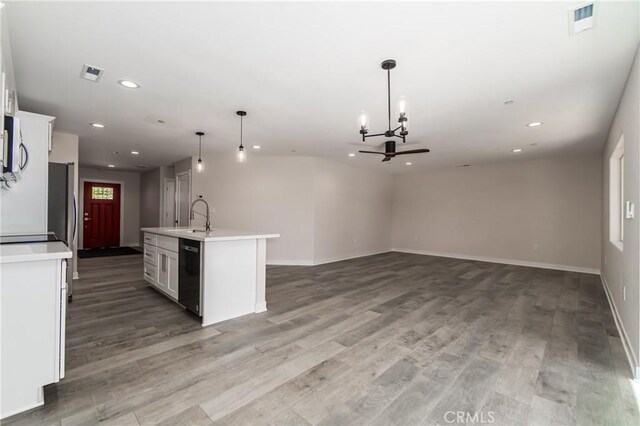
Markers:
point(352, 211)
point(544, 212)
point(150, 199)
point(273, 194)
point(130, 198)
point(621, 269)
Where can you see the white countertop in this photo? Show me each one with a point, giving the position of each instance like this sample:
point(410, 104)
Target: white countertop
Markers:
point(216, 234)
point(32, 252)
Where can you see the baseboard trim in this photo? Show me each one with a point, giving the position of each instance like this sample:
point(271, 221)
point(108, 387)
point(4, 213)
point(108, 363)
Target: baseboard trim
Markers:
point(633, 363)
point(131, 244)
point(277, 262)
point(503, 261)
point(76, 276)
point(348, 256)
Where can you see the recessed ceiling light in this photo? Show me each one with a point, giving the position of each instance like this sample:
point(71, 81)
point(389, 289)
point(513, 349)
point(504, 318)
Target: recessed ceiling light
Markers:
point(134, 153)
point(535, 124)
point(257, 147)
point(110, 166)
point(508, 102)
point(98, 125)
point(408, 163)
point(517, 150)
point(352, 154)
point(128, 84)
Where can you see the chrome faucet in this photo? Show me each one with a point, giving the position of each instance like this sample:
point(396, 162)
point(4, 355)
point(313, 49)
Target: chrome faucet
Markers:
point(193, 212)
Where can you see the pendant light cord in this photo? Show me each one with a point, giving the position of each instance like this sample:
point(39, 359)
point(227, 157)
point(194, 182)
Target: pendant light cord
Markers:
point(199, 147)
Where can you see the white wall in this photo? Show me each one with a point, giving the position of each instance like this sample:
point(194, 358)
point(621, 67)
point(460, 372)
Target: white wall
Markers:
point(130, 198)
point(64, 149)
point(621, 269)
point(352, 211)
point(540, 212)
point(267, 194)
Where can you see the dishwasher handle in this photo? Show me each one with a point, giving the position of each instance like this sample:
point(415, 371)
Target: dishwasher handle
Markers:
point(190, 248)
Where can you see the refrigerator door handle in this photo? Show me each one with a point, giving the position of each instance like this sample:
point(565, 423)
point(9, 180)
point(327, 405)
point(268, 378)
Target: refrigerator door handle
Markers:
point(24, 159)
point(75, 217)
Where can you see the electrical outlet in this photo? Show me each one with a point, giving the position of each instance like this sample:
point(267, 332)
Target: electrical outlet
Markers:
point(605, 260)
point(624, 293)
point(415, 238)
point(536, 247)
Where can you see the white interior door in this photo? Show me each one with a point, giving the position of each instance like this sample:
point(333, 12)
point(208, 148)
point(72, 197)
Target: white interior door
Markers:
point(170, 218)
point(183, 197)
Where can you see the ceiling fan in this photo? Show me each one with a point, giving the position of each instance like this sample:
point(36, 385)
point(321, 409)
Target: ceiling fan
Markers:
point(389, 146)
point(390, 151)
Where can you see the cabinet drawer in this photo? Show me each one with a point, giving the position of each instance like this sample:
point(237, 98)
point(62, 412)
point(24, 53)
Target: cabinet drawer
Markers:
point(167, 243)
point(150, 238)
point(150, 273)
point(150, 254)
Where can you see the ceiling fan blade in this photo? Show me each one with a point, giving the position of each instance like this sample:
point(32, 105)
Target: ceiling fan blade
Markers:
point(413, 151)
point(386, 158)
point(371, 152)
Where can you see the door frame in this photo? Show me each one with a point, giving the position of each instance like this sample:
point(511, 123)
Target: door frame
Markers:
point(81, 209)
point(164, 201)
point(185, 173)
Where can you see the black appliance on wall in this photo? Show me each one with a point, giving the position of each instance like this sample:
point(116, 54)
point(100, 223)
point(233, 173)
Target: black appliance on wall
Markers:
point(189, 275)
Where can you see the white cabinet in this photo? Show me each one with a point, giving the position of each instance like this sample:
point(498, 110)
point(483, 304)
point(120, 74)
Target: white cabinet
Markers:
point(33, 302)
point(161, 264)
point(167, 272)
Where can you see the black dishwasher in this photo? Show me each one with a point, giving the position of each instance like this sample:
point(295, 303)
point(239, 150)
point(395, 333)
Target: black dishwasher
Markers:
point(189, 275)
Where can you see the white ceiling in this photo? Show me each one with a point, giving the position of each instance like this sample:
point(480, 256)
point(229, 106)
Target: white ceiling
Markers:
point(304, 71)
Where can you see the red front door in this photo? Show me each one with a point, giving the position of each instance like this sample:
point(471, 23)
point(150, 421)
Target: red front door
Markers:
point(101, 215)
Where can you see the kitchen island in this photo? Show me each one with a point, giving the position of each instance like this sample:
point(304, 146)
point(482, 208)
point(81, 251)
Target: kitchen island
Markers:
point(217, 274)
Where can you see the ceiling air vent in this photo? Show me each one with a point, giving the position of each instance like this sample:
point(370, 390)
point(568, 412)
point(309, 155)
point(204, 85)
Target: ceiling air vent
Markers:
point(581, 19)
point(91, 73)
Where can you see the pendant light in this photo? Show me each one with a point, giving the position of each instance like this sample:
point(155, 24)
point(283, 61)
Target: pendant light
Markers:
point(400, 131)
point(200, 166)
point(241, 155)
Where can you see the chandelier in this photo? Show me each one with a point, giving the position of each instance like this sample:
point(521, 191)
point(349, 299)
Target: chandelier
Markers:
point(400, 131)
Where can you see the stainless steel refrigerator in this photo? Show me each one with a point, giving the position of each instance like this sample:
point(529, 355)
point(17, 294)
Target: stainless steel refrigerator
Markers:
point(62, 212)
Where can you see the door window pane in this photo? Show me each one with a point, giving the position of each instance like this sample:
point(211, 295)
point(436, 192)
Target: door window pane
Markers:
point(101, 193)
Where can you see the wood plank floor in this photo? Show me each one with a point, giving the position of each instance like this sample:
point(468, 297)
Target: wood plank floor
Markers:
point(388, 339)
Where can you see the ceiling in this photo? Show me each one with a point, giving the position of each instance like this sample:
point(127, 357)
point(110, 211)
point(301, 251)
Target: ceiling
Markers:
point(305, 71)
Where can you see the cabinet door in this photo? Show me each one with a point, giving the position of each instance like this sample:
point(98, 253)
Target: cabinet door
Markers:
point(162, 276)
point(172, 274)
